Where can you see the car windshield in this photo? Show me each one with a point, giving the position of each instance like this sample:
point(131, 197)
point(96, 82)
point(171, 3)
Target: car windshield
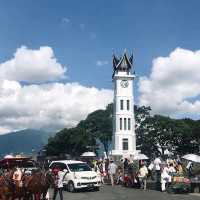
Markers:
point(79, 167)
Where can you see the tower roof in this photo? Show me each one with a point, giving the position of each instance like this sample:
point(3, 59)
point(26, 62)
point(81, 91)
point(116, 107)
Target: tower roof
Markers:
point(124, 63)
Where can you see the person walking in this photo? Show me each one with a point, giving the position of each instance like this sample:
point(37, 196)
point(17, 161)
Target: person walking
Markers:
point(100, 170)
point(165, 177)
point(143, 172)
point(59, 184)
point(157, 167)
point(112, 169)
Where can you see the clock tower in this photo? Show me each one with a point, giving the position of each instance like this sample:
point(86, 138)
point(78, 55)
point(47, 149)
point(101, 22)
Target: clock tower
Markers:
point(124, 139)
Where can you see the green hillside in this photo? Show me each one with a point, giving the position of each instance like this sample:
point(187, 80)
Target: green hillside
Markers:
point(24, 141)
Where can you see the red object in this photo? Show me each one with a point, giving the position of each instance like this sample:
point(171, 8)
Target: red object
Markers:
point(55, 171)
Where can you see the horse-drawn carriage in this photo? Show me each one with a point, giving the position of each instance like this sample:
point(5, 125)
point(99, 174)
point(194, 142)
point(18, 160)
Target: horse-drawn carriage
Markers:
point(26, 164)
point(35, 182)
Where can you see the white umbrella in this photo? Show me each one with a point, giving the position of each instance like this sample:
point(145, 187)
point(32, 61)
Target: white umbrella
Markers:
point(192, 157)
point(88, 154)
point(140, 156)
point(8, 156)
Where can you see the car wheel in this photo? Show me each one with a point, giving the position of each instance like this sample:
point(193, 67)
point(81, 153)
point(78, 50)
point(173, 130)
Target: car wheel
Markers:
point(65, 188)
point(71, 186)
point(96, 189)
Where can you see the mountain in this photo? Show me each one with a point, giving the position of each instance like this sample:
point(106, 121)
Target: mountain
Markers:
point(24, 141)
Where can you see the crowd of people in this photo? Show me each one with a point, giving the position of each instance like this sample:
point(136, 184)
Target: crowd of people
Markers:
point(134, 173)
point(127, 172)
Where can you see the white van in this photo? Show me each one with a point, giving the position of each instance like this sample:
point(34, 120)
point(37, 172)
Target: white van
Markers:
point(78, 175)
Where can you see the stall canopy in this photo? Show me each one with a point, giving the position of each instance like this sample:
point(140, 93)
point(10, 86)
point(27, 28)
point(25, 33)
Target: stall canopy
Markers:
point(192, 157)
point(10, 161)
point(88, 154)
point(140, 156)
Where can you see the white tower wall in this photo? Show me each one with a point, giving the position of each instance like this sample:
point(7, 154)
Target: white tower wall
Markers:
point(124, 139)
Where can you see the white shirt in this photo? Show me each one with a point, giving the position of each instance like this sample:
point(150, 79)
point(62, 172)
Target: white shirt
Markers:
point(143, 171)
point(61, 175)
point(151, 166)
point(157, 163)
point(17, 176)
point(172, 170)
point(165, 172)
point(112, 168)
point(165, 177)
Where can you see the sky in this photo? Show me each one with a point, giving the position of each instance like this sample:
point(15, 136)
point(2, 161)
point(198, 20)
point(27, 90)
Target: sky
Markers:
point(56, 58)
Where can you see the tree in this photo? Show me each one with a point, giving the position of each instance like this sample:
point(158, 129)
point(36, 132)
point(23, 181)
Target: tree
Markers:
point(154, 134)
point(158, 133)
point(73, 141)
point(99, 125)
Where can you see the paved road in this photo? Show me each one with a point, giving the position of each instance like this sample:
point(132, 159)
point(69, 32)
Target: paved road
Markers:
point(120, 193)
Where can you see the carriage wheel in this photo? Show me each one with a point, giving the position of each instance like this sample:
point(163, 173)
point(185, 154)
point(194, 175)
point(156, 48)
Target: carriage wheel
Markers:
point(71, 187)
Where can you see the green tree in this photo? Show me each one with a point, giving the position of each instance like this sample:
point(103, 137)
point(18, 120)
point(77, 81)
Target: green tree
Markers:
point(99, 125)
point(73, 141)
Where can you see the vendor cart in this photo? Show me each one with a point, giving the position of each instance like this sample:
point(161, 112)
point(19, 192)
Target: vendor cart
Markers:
point(179, 184)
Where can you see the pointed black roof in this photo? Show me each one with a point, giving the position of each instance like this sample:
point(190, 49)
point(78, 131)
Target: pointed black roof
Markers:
point(124, 63)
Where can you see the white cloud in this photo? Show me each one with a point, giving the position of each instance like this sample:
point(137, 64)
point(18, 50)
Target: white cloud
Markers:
point(35, 66)
point(173, 87)
point(101, 62)
point(50, 106)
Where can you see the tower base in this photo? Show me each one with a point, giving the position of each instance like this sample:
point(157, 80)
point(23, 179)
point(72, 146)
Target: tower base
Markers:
point(117, 155)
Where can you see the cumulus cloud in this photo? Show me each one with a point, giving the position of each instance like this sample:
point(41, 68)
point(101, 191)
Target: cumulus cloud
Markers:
point(32, 66)
point(173, 87)
point(101, 62)
point(51, 106)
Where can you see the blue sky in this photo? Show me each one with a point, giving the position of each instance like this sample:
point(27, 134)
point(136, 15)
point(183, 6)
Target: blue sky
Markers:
point(81, 33)
point(148, 28)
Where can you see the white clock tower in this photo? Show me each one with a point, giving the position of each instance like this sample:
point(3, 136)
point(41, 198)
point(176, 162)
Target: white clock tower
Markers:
point(124, 139)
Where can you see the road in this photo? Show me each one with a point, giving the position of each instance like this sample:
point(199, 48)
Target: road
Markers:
point(108, 192)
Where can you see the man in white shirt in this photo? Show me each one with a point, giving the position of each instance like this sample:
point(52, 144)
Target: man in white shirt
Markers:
point(157, 163)
point(59, 184)
point(165, 177)
point(112, 169)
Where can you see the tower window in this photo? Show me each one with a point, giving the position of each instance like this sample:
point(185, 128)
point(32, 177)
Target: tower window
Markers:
point(128, 104)
point(125, 144)
point(121, 104)
point(124, 123)
point(120, 123)
point(129, 123)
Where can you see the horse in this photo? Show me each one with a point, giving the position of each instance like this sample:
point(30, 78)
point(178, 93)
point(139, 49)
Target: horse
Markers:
point(48, 180)
point(7, 186)
point(6, 189)
point(37, 185)
point(9, 190)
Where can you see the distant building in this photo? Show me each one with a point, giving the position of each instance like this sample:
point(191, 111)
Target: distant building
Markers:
point(124, 139)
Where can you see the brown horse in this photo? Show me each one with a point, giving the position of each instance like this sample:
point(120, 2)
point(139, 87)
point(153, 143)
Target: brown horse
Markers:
point(48, 180)
point(37, 185)
point(8, 189)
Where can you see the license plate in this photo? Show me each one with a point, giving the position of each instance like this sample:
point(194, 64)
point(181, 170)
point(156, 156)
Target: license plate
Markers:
point(90, 185)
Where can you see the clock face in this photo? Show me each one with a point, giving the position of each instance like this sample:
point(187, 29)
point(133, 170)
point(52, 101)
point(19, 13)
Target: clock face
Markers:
point(124, 83)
